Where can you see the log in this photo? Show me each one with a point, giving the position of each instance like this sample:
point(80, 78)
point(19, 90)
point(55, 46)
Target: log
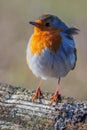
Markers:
point(18, 112)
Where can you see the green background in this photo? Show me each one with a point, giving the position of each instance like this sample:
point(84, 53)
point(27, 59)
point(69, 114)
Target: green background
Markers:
point(14, 35)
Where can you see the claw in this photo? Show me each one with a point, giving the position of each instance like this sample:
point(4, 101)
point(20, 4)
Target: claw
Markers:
point(55, 97)
point(37, 94)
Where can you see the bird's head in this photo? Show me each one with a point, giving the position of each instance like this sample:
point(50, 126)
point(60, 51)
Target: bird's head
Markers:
point(48, 22)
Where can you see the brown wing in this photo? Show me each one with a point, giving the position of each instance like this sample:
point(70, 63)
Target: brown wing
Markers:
point(75, 52)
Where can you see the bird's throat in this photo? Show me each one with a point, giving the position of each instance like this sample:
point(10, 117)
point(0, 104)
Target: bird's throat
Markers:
point(45, 40)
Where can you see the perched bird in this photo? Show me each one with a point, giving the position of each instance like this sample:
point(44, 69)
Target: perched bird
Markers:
point(51, 51)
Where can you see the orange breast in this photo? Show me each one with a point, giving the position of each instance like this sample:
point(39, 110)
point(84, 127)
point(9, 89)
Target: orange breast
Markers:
point(45, 39)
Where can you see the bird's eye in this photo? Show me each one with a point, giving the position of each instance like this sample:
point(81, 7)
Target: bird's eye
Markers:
point(47, 24)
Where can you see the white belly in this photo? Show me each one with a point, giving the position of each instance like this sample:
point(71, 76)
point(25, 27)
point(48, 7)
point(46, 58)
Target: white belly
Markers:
point(49, 64)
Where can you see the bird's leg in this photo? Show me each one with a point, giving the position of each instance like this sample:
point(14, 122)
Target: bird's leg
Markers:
point(38, 92)
point(57, 96)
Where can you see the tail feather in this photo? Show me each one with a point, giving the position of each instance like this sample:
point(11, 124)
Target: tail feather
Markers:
point(72, 31)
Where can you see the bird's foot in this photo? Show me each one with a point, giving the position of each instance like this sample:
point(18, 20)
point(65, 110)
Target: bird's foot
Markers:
point(55, 98)
point(37, 94)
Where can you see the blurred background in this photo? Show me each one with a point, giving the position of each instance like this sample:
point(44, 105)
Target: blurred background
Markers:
point(14, 35)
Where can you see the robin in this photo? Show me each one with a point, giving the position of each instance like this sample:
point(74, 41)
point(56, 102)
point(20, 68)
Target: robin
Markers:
point(51, 51)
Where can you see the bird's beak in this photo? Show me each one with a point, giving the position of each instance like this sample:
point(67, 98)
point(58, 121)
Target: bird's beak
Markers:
point(34, 23)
